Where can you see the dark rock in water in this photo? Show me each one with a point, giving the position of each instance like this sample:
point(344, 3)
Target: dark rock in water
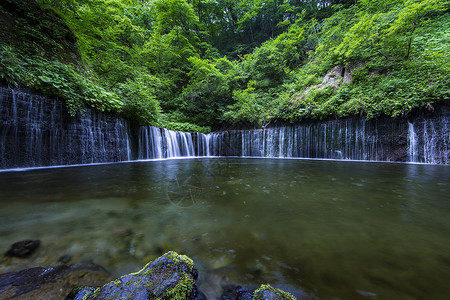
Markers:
point(51, 283)
point(215, 282)
point(23, 248)
point(172, 276)
point(65, 259)
point(236, 293)
point(266, 292)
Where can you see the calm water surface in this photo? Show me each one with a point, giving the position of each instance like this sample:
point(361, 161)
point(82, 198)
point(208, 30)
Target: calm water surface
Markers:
point(319, 229)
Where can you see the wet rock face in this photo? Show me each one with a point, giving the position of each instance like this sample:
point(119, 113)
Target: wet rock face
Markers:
point(50, 283)
point(171, 276)
point(23, 248)
point(266, 292)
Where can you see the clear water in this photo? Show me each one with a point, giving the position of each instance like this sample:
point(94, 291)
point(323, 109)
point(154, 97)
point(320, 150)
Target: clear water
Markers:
point(325, 229)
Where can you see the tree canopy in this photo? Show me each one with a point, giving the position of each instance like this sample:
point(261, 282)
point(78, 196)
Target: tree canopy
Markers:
point(204, 62)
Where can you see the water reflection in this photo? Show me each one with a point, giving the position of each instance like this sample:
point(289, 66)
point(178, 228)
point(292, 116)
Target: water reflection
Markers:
point(332, 229)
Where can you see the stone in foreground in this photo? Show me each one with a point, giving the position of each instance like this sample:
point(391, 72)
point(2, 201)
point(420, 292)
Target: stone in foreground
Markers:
point(172, 276)
point(50, 283)
point(266, 292)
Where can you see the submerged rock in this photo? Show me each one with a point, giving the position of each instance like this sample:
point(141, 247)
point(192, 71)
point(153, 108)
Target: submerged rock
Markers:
point(50, 283)
point(172, 276)
point(23, 248)
point(222, 282)
point(236, 293)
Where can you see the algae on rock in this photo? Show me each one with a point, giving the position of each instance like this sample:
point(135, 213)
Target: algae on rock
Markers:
point(172, 276)
point(266, 292)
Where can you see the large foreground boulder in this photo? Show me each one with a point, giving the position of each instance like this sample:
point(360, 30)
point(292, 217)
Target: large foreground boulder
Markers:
point(172, 276)
point(50, 283)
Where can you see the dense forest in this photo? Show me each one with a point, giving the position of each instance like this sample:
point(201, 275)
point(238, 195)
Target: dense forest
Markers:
point(194, 64)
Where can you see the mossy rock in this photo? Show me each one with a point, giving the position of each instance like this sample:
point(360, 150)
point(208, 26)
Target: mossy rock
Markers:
point(172, 276)
point(266, 292)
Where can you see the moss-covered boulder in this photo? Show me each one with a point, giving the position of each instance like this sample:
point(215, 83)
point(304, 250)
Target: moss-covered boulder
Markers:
point(172, 276)
point(266, 292)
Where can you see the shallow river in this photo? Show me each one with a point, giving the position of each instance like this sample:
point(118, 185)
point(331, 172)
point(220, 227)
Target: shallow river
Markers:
point(318, 229)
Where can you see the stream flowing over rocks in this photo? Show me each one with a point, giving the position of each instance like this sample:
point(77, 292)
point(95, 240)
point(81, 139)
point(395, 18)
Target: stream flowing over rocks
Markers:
point(36, 131)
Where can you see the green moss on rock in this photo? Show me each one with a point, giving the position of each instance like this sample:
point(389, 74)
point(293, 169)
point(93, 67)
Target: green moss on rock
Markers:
point(266, 292)
point(172, 276)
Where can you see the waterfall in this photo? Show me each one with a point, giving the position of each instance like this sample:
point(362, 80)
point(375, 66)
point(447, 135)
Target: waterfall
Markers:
point(428, 140)
point(202, 144)
point(346, 139)
point(412, 143)
point(155, 142)
point(150, 142)
point(35, 131)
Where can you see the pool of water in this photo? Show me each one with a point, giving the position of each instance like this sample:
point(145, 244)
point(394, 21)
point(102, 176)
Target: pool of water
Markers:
point(319, 229)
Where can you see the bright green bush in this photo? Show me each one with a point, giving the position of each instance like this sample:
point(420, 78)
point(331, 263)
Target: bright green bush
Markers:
point(54, 78)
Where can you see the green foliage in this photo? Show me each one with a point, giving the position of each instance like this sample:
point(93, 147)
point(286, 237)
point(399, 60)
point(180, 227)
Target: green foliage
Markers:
point(252, 106)
point(186, 127)
point(11, 66)
point(188, 64)
point(55, 79)
point(36, 32)
point(208, 93)
point(139, 103)
point(385, 29)
point(402, 44)
point(175, 15)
